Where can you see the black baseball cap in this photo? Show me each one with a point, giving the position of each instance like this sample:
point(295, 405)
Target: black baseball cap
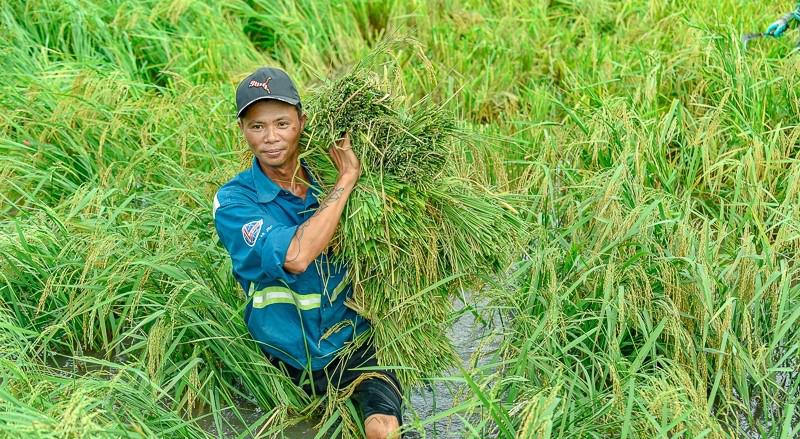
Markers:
point(266, 83)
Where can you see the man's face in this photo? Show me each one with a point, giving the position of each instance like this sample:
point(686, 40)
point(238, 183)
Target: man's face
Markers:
point(272, 129)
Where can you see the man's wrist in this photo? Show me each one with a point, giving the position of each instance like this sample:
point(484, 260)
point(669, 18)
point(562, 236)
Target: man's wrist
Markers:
point(348, 179)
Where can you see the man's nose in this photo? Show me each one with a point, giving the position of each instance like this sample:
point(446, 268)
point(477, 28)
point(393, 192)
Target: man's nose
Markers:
point(270, 135)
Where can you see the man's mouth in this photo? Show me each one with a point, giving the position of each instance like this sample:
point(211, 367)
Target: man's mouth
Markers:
point(273, 153)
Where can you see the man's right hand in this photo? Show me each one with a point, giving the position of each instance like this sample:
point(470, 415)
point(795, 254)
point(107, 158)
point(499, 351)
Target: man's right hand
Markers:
point(345, 160)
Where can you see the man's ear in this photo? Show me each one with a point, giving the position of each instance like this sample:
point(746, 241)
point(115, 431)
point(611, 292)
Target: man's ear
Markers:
point(303, 121)
point(241, 124)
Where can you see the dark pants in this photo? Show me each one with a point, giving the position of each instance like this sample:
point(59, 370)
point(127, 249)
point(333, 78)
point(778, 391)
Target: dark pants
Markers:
point(374, 395)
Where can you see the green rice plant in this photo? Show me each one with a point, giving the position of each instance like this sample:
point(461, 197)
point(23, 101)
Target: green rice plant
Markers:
point(57, 407)
point(633, 327)
point(39, 401)
point(157, 302)
point(160, 43)
point(659, 297)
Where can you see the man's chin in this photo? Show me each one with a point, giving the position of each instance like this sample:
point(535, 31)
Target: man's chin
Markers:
point(277, 162)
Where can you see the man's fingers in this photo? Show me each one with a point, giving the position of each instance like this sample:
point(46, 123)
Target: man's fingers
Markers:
point(343, 155)
point(771, 29)
point(343, 142)
point(774, 29)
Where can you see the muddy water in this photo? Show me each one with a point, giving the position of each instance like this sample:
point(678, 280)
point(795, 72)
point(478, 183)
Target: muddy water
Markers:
point(475, 341)
point(469, 336)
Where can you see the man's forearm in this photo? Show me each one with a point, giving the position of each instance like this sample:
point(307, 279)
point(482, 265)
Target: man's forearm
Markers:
point(315, 233)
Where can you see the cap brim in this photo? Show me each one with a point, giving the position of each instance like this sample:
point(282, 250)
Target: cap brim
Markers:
point(289, 101)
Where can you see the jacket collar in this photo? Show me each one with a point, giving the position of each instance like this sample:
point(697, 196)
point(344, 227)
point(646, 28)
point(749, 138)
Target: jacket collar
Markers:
point(266, 189)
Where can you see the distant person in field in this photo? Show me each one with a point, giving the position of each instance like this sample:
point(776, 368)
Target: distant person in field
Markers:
point(277, 232)
point(779, 26)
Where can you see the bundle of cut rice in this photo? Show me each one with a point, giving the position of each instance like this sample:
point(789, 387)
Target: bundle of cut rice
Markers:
point(414, 231)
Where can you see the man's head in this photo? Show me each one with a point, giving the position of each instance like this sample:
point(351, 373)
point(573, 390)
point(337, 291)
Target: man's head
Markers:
point(266, 83)
point(270, 117)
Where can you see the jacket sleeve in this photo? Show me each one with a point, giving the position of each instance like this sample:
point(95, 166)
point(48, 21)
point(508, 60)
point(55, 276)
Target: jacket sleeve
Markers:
point(256, 242)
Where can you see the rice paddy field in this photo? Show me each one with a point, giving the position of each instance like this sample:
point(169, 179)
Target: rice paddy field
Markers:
point(638, 280)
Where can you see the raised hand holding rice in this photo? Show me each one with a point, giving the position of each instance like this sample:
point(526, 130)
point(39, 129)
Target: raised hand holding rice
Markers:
point(344, 158)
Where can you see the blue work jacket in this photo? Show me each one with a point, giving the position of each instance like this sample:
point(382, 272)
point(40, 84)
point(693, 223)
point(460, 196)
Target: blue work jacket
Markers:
point(300, 319)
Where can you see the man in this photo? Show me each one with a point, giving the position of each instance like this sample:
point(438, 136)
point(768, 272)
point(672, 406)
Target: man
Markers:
point(277, 233)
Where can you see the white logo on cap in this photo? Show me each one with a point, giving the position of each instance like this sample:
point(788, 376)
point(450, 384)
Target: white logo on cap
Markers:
point(264, 85)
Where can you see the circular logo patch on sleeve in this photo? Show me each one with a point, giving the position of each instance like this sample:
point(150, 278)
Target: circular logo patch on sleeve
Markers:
point(251, 230)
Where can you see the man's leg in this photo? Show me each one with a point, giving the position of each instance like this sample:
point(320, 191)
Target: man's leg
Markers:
point(380, 426)
point(379, 398)
point(380, 402)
